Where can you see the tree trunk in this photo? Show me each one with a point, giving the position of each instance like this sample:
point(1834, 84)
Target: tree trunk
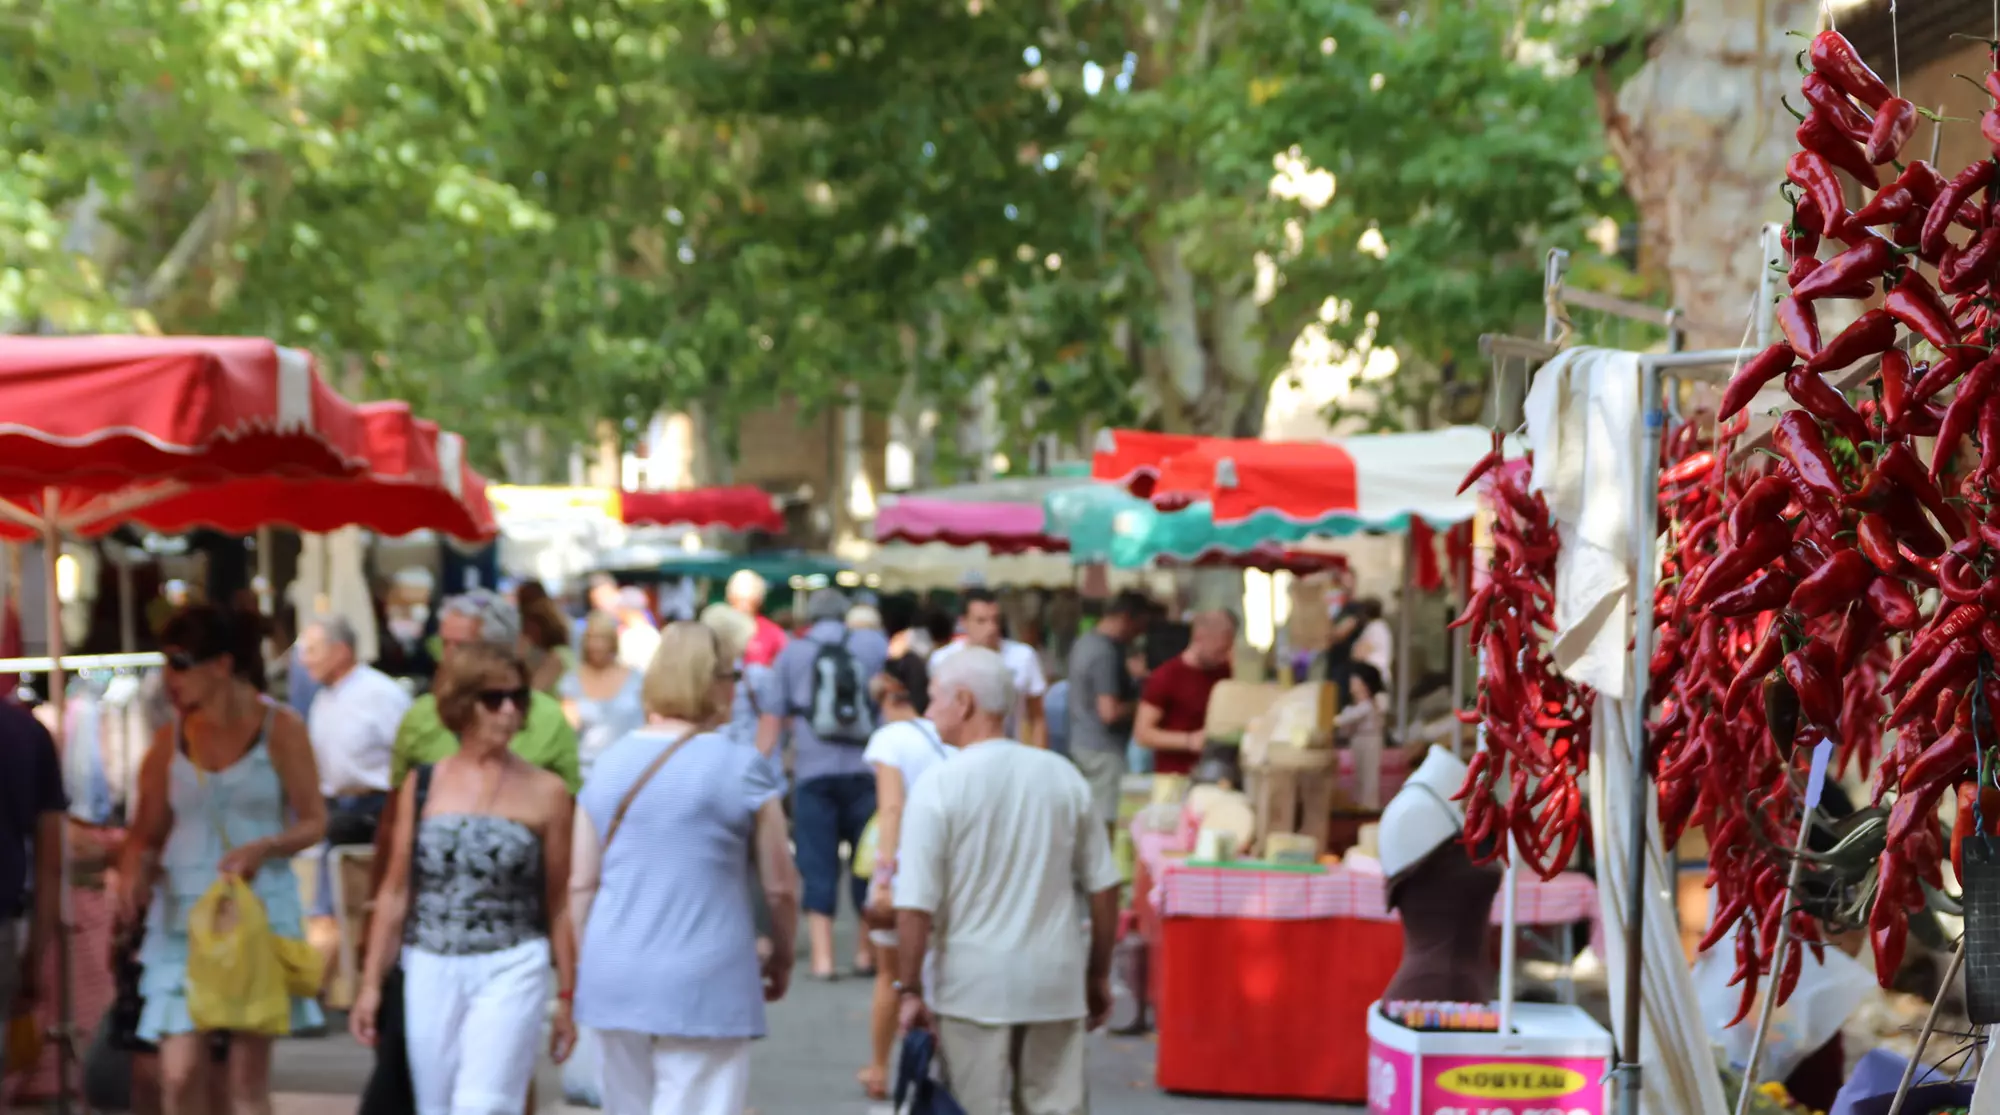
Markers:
point(1205, 365)
point(1704, 141)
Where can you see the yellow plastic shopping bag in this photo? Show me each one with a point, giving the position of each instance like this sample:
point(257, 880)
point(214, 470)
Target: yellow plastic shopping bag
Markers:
point(235, 976)
point(305, 967)
point(864, 852)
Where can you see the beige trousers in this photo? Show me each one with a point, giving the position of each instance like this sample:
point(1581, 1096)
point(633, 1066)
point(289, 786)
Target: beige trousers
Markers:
point(1031, 1069)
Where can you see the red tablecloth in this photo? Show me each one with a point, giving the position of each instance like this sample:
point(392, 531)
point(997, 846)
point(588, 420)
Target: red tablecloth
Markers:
point(1262, 979)
point(1178, 890)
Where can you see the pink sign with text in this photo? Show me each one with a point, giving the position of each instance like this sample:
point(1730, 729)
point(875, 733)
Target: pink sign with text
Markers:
point(1400, 1084)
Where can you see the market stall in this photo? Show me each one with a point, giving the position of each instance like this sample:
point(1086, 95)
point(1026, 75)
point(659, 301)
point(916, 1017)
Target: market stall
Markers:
point(1286, 1014)
point(738, 508)
point(1005, 516)
point(101, 427)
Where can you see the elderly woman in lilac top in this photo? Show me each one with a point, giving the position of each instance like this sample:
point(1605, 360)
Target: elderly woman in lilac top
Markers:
point(670, 975)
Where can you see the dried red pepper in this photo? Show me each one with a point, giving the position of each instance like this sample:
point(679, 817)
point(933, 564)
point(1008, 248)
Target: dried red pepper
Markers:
point(1814, 174)
point(1970, 268)
point(1944, 208)
point(1895, 120)
point(1916, 304)
point(1753, 377)
point(1835, 59)
point(1821, 137)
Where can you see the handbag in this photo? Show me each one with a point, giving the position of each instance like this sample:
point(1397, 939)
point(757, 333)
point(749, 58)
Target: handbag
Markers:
point(914, 1084)
point(389, 1090)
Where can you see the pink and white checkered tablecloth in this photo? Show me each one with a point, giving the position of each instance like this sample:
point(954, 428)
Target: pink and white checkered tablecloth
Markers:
point(1181, 891)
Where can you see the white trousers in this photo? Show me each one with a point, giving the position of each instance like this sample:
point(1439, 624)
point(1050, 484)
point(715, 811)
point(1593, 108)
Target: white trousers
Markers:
point(475, 1027)
point(648, 1075)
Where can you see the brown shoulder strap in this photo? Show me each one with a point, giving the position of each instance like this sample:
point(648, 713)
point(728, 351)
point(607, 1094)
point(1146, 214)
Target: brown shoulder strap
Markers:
point(645, 776)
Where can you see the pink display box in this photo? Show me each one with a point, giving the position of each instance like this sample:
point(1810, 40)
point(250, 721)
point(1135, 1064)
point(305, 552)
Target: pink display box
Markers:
point(1552, 1064)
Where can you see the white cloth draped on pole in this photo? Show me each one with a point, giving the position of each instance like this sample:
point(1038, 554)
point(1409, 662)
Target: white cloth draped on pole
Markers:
point(1583, 421)
point(1584, 415)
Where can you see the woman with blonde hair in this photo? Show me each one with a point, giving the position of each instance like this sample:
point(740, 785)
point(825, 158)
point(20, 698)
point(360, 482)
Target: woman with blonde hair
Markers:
point(477, 903)
point(669, 828)
point(601, 695)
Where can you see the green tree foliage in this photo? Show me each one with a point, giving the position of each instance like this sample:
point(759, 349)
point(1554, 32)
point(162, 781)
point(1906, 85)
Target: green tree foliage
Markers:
point(560, 212)
point(1078, 196)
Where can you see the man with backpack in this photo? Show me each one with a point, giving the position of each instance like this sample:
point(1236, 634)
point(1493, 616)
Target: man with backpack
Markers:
point(824, 677)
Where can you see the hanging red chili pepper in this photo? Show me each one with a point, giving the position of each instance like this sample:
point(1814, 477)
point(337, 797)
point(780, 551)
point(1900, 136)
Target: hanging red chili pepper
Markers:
point(1916, 304)
point(1895, 120)
point(1970, 268)
point(1944, 209)
point(1816, 134)
point(1753, 376)
point(1835, 59)
point(1812, 173)
point(1887, 207)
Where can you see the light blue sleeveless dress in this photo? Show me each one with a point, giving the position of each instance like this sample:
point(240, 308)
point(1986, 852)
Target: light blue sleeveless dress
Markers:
point(246, 802)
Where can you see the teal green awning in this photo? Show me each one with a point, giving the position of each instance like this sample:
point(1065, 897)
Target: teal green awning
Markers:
point(777, 567)
point(1106, 523)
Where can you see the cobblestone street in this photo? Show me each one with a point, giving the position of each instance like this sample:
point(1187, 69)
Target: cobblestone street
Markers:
point(805, 1068)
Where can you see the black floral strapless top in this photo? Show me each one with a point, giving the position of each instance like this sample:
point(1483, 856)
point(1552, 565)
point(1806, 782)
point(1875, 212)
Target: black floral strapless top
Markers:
point(477, 885)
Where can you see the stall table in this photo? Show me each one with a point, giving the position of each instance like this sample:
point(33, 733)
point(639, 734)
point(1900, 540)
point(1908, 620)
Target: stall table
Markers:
point(1261, 980)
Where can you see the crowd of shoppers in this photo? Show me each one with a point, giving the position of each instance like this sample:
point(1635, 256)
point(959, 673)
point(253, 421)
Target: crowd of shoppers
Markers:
point(586, 826)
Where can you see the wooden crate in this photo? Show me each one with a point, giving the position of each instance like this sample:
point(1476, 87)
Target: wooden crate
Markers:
point(1299, 801)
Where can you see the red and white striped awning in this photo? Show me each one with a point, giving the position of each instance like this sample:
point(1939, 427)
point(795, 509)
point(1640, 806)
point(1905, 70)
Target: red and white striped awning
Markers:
point(1376, 481)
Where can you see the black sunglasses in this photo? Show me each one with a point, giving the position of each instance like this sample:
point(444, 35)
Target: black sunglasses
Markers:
point(179, 660)
point(492, 699)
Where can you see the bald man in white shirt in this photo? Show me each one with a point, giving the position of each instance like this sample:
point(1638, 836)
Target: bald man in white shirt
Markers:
point(1003, 854)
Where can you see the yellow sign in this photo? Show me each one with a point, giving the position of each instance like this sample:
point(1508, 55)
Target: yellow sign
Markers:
point(551, 502)
point(1503, 1080)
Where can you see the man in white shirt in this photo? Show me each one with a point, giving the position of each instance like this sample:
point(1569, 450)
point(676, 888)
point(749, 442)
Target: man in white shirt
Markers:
point(352, 722)
point(980, 627)
point(637, 637)
point(1001, 859)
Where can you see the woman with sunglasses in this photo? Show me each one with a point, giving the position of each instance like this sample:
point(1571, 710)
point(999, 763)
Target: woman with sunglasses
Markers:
point(670, 827)
point(229, 788)
point(478, 905)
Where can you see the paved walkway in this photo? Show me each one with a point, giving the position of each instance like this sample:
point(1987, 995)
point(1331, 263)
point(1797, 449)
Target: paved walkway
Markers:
point(818, 1038)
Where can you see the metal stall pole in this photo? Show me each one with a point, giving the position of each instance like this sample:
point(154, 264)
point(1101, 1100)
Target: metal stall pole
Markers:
point(1646, 505)
point(68, 1068)
point(1406, 605)
point(1644, 513)
point(128, 608)
point(1457, 694)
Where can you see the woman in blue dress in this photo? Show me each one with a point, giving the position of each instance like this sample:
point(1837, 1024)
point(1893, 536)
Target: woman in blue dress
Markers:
point(230, 788)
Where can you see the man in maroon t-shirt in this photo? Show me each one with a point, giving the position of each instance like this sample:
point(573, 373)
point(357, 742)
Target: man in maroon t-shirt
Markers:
point(1173, 707)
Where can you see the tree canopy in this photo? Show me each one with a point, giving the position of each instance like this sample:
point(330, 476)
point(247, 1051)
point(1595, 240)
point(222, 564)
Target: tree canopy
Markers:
point(558, 213)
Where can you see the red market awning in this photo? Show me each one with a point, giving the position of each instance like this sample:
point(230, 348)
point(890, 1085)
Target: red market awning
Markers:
point(1267, 559)
point(416, 479)
point(93, 428)
point(1373, 482)
point(738, 508)
point(1132, 459)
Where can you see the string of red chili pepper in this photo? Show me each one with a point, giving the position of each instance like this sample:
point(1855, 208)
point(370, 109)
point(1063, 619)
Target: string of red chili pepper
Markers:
point(1527, 780)
point(1719, 762)
point(1868, 528)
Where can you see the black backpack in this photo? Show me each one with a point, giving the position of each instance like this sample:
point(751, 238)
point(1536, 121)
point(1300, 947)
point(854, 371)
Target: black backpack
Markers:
point(838, 711)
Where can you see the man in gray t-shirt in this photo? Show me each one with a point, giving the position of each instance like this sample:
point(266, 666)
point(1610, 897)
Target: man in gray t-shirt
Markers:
point(1102, 699)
